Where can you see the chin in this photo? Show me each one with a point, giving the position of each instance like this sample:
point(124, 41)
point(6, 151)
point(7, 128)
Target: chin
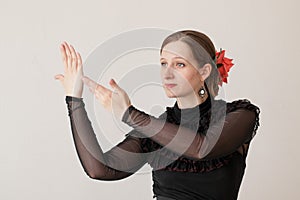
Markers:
point(170, 94)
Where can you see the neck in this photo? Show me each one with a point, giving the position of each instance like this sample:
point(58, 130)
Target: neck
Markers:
point(190, 101)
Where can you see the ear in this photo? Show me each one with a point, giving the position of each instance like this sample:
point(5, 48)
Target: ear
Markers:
point(205, 71)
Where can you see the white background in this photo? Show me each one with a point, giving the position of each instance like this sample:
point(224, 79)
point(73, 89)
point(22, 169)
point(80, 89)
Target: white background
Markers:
point(38, 158)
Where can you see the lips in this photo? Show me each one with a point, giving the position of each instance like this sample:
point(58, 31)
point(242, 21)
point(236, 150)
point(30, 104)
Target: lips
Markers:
point(170, 85)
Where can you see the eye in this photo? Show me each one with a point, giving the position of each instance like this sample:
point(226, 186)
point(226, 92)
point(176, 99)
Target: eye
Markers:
point(180, 64)
point(163, 64)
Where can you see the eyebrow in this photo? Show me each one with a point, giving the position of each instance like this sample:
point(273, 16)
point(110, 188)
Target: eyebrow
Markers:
point(175, 58)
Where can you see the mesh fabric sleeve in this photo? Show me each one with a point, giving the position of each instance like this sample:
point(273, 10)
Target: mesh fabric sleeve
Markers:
point(223, 138)
point(119, 162)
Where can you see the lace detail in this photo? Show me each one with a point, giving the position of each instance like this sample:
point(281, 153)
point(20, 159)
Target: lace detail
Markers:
point(186, 165)
point(183, 163)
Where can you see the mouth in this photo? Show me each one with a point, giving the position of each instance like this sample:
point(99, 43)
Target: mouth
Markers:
point(169, 85)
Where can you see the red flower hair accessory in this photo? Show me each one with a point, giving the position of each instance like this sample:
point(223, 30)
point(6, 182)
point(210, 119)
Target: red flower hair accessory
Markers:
point(223, 64)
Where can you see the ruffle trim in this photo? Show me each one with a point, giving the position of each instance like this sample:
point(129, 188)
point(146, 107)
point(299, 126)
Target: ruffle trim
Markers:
point(186, 165)
point(183, 164)
point(180, 163)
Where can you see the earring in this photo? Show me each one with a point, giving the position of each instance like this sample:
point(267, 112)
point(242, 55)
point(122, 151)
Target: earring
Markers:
point(202, 92)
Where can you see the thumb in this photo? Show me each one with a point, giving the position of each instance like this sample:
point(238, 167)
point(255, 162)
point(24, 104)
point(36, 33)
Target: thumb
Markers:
point(59, 77)
point(114, 85)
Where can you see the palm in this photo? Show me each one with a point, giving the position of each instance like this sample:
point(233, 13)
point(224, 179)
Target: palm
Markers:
point(73, 71)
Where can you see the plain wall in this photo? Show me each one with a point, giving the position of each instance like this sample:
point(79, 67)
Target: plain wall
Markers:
point(38, 158)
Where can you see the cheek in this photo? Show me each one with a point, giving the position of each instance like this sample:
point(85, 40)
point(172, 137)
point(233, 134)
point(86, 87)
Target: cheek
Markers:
point(193, 79)
point(161, 73)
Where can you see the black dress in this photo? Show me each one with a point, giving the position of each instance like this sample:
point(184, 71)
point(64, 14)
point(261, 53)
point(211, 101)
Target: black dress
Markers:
point(196, 153)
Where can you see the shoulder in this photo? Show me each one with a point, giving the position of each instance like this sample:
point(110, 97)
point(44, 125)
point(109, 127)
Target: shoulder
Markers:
point(242, 104)
point(247, 105)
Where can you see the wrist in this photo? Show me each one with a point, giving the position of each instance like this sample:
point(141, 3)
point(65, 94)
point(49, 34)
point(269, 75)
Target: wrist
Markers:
point(126, 113)
point(73, 99)
point(73, 95)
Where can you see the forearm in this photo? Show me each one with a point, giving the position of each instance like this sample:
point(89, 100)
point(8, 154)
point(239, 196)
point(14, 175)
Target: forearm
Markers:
point(91, 156)
point(223, 136)
point(178, 139)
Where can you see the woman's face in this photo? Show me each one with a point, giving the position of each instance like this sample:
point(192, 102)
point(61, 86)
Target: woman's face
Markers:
point(179, 73)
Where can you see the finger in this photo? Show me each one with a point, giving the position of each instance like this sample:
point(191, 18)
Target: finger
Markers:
point(114, 85)
point(59, 77)
point(96, 88)
point(102, 89)
point(73, 58)
point(79, 59)
point(64, 57)
point(90, 83)
point(103, 102)
point(98, 95)
point(91, 90)
point(103, 99)
point(105, 93)
point(68, 52)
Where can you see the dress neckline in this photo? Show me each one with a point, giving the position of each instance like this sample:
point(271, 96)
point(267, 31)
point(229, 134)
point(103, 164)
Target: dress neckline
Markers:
point(193, 114)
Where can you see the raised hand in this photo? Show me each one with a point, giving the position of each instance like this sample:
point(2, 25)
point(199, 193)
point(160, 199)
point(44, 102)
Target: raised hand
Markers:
point(116, 101)
point(73, 72)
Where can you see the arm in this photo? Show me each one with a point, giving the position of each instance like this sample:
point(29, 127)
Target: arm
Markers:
point(221, 138)
point(114, 164)
point(237, 131)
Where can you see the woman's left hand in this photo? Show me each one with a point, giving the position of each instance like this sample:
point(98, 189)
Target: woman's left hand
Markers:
point(116, 100)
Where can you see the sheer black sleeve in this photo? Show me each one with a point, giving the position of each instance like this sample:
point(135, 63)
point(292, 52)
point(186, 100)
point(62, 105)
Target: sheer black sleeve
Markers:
point(119, 162)
point(222, 138)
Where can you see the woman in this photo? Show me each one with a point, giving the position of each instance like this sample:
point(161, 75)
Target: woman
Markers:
point(197, 148)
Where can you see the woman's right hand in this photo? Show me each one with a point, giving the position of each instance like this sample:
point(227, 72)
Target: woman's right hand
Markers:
point(73, 72)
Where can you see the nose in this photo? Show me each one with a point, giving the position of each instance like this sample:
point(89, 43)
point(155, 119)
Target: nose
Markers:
point(167, 72)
